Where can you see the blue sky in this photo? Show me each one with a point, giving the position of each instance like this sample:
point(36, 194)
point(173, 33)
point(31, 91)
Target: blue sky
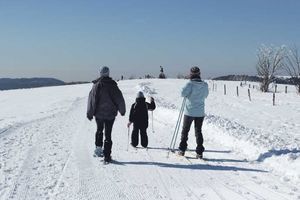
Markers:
point(71, 40)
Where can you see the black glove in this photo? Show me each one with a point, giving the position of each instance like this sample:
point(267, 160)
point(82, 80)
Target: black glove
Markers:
point(122, 114)
point(89, 117)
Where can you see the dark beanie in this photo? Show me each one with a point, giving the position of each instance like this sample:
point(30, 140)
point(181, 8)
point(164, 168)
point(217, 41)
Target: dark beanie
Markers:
point(104, 72)
point(195, 71)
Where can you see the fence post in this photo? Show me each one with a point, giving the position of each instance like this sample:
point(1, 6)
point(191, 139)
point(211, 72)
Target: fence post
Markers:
point(249, 86)
point(285, 89)
point(249, 95)
point(275, 88)
point(237, 90)
point(224, 89)
point(274, 99)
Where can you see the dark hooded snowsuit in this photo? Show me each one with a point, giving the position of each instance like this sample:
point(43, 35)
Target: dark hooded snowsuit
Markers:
point(139, 117)
point(105, 100)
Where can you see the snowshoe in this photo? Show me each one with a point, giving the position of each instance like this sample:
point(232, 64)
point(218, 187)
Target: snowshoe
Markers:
point(98, 152)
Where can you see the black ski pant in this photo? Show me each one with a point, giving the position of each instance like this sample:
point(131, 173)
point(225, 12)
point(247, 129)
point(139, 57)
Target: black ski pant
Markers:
point(135, 136)
point(107, 126)
point(187, 121)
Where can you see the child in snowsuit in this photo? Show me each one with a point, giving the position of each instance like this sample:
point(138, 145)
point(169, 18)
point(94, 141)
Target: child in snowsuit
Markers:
point(139, 117)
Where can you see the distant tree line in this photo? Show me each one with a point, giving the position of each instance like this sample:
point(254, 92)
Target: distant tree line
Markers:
point(19, 83)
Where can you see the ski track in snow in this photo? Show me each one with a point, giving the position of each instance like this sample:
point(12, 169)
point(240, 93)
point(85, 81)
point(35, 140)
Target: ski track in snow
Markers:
point(52, 158)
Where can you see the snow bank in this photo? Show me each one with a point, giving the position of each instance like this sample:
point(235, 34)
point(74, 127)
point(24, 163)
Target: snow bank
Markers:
point(25, 105)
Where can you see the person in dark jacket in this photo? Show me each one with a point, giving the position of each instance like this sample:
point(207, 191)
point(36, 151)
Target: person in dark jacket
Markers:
point(139, 117)
point(195, 92)
point(104, 102)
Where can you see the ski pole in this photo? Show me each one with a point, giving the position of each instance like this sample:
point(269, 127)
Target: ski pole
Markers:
point(177, 123)
point(177, 126)
point(152, 122)
point(180, 118)
point(128, 138)
point(175, 133)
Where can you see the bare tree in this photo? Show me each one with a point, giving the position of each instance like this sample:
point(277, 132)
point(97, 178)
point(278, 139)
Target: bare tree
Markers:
point(292, 66)
point(270, 60)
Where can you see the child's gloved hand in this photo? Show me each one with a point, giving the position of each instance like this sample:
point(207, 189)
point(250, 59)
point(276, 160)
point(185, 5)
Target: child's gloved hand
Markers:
point(128, 125)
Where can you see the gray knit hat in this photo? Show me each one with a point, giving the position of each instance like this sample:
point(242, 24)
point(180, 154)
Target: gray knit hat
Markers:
point(140, 95)
point(195, 71)
point(104, 72)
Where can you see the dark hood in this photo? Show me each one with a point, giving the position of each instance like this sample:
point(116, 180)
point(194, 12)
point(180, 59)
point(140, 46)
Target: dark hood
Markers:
point(140, 100)
point(105, 80)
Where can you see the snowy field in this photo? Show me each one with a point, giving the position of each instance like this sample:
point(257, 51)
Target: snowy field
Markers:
point(252, 147)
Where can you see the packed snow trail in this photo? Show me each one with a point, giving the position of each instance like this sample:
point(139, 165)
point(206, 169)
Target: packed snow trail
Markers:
point(52, 158)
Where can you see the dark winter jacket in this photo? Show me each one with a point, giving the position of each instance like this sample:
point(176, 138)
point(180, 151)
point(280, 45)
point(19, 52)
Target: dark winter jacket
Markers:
point(139, 112)
point(105, 99)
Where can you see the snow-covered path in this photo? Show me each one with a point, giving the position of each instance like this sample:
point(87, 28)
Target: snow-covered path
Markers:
point(52, 158)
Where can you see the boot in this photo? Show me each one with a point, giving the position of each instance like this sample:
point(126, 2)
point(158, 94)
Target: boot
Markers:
point(199, 156)
point(98, 152)
point(107, 159)
point(181, 153)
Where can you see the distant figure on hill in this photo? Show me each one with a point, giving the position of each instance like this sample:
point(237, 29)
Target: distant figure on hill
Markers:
point(105, 100)
point(161, 75)
point(195, 92)
point(139, 117)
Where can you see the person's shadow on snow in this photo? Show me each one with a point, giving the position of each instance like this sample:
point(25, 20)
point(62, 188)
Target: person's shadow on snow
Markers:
point(195, 166)
point(192, 166)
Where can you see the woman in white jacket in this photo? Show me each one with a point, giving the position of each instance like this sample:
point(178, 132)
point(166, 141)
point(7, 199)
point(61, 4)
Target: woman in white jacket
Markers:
point(195, 92)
